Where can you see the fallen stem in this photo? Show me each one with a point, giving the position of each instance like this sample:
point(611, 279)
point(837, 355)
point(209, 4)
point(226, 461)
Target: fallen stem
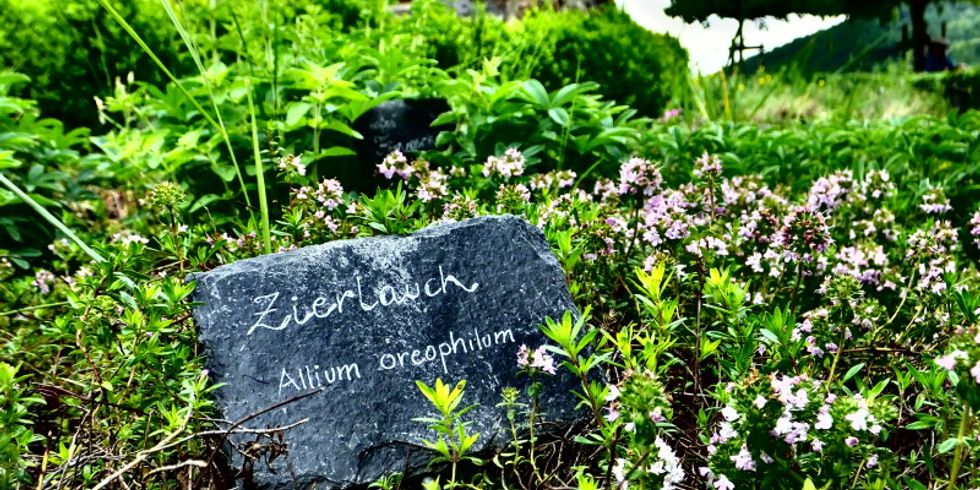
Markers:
point(50, 218)
point(35, 307)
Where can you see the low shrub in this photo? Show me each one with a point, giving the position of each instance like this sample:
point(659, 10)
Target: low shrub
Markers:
point(633, 66)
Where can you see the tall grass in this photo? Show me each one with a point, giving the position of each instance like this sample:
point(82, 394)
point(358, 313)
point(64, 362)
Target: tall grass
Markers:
point(787, 96)
point(259, 172)
point(217, 124)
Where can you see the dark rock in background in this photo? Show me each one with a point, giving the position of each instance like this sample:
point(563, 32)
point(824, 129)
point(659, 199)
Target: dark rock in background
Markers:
point(356, 322)
point(404, 125)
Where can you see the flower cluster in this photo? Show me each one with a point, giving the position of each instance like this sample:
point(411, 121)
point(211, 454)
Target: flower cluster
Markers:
point(513, 197)
point(707, 165)
point(458, 208)
point(43, 281)
point(933, 250)
point(963, 360)
point(804, 234)
point(126, 238)
point(935, 202)
point(395, 163)
point(291, 164)
point(511, 164)
point(640, 405)
point(537, 360)
point(639, 176)
point(6, 269)
point(792, 420)
point(559, 179)
point(975, 228)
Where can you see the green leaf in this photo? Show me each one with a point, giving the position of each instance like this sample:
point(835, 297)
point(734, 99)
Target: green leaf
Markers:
point(536, 93)
point(559, 115)
point(947, 445)
point(851, 372)
point(296, 113)
point(7, 160)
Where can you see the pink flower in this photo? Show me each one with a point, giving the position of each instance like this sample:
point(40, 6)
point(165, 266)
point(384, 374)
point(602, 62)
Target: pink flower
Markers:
point(394, 163)
point(743, 460)
point(613, 414)
point(542, 360)
point(522, 356)
point(975, 371)
point(657, 415)
point(851, 441)
point(510, 165)
point(947, 362)
point(872, 461)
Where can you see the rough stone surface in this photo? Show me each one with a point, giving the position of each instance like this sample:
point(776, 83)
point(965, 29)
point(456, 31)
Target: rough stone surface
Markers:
point(371, 317)
point(404, 125)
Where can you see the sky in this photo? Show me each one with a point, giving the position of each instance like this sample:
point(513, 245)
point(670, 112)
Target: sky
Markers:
point(708, 46)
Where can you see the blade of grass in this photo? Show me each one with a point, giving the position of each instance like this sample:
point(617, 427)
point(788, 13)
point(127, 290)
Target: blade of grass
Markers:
point(219, 127)
point(259, 172)
point(50, 218)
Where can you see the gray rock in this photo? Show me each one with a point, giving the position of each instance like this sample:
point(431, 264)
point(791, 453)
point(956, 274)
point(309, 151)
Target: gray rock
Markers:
point(356, 323)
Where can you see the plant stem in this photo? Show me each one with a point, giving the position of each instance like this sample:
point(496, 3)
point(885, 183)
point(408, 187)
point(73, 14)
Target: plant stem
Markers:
point(954, 472)
point(50, 218)
point(34, 307)
point(259, 173)
point(833, 365)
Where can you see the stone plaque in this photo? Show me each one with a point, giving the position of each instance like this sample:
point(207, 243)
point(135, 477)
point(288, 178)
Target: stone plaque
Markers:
point(404, 125)
point(339, 333)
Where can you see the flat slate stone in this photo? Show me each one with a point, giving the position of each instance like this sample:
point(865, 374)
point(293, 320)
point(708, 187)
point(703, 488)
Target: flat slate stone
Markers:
point(357, 322)
point(404, 125)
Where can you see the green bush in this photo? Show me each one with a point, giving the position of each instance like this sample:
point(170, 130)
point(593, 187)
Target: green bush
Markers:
point(73, 50)
point(452, 40)
point(632, 65)
point(962, 89)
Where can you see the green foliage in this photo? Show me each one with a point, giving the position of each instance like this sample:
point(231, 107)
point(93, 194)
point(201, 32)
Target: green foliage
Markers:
point(632, 65)
point(16, 434)
point(47, 163)
point(735, 280)
point(453, 440)
point(83, 52)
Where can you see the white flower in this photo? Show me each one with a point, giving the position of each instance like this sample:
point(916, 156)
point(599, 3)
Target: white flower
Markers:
point(619, 473)
point(816, 444)
point(729, 413)
point(723, 483)
point(947, 362)
point(613, 393)
point(824, 420)
point(858, 419)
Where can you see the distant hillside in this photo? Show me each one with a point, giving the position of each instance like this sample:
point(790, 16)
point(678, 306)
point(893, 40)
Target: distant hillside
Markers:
point(864, 45)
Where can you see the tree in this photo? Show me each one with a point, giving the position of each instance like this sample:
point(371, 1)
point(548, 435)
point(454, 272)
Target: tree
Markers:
point(742, 10)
